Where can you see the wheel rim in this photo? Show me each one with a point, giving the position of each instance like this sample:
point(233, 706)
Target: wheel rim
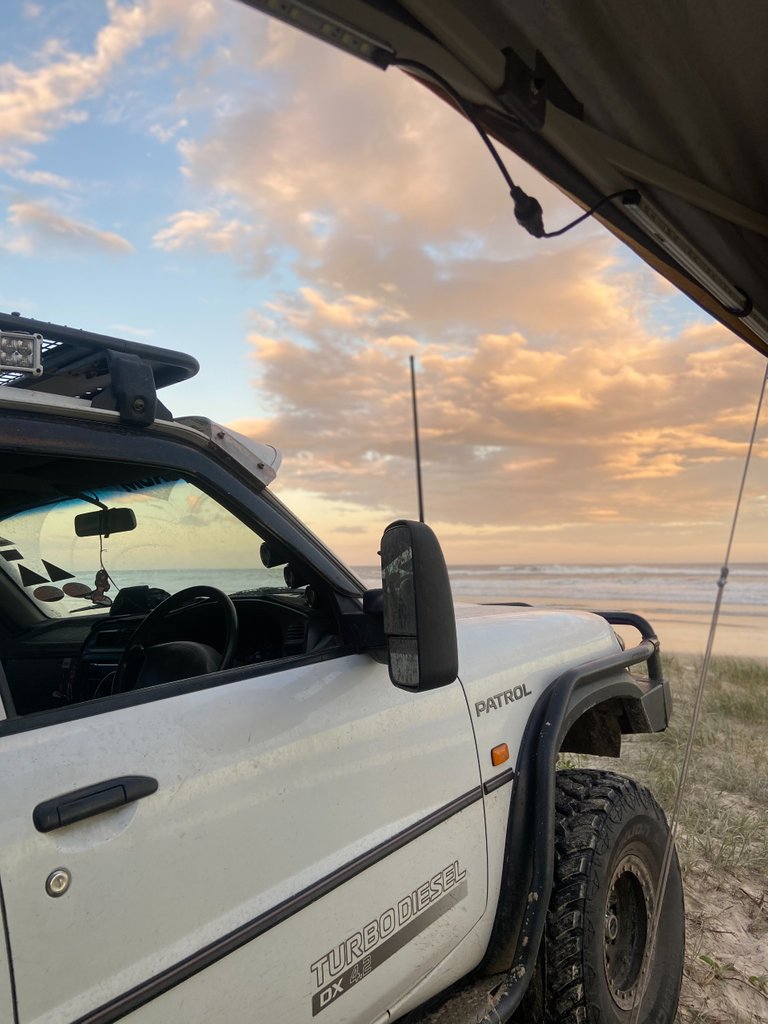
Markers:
point(628, 911)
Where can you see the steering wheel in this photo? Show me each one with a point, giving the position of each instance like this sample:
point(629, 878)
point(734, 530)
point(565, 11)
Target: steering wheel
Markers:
point(147, 660)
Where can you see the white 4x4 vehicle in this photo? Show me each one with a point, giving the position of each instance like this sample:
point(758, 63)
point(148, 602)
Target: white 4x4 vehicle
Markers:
point(240, 787)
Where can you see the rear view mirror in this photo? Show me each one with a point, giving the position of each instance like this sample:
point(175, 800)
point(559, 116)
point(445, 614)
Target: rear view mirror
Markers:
point(419, 619)
point(104, 522)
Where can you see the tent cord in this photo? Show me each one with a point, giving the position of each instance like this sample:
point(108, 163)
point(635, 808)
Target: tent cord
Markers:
point(675, 816)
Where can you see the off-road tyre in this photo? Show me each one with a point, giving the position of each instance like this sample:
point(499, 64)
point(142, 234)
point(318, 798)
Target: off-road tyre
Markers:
point(610, 836)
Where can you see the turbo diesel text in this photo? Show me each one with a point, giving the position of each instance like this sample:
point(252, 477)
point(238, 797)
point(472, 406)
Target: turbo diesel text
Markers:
point(365, 950)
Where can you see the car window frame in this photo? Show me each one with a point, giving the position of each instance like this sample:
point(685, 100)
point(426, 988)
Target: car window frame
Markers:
point(250, 504)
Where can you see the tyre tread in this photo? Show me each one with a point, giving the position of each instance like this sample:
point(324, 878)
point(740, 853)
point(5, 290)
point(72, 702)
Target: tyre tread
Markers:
point(586, 800)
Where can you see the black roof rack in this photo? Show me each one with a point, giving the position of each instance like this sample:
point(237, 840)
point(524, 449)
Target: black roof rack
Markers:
point(78, 363)
point(111, 372)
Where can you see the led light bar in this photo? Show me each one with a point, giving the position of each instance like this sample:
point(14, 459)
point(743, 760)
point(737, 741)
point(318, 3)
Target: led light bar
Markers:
point(315, 21)
point(661, 231)
point(21, 352)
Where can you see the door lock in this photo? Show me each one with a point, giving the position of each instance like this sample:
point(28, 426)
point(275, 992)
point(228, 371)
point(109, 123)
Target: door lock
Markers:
point(57, 883)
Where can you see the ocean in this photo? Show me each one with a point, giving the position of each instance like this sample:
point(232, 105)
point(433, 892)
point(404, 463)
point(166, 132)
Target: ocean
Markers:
point(669, 585)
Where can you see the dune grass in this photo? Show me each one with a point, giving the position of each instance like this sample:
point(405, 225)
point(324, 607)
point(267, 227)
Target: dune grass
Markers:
point(723, 832)
point(724, 819)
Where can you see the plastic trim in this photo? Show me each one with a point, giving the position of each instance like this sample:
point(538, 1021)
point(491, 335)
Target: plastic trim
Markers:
point(499, 780)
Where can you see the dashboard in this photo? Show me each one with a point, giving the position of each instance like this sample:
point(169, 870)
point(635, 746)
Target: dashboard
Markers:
point(68, 662)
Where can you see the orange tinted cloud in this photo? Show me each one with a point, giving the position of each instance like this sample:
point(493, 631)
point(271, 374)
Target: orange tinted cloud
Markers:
point(518, 443)
point(565, 411)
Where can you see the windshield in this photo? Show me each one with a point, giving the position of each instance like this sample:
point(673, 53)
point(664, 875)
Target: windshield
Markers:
point(182, 537)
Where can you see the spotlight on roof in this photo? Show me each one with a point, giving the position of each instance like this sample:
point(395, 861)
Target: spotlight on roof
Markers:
point(21, 352)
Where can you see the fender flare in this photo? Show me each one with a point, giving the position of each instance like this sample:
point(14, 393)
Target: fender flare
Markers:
point(529, 849)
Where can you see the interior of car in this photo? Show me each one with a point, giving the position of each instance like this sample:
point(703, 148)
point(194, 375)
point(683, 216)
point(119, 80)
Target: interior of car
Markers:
point(117, 577)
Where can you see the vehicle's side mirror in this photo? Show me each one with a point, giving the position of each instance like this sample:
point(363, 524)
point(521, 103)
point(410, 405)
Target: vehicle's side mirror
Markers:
point(104, 522)
point(419, 620)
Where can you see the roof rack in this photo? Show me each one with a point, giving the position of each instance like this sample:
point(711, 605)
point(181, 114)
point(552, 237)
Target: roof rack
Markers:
point(112, 372)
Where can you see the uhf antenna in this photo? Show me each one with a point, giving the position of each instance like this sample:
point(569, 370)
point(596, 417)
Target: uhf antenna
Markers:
point(416, 440)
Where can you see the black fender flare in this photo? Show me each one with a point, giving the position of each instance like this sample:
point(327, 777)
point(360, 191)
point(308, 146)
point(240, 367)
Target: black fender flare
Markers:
point(529, 849)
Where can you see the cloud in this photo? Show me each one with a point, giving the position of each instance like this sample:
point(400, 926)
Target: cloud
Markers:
point(202, 228)
point(559, 406)
point(36, 101)
point(164, 133)
point(44, 178)
point(36, 227)
point(33, 102)
point(512, 434)
point(347, 312)
point(647, 465)
point(354, 173)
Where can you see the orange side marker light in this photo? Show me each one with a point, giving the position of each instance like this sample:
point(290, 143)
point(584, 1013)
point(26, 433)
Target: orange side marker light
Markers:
point(499, 754)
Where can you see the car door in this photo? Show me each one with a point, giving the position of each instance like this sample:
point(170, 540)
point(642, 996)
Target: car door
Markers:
point(314, 845)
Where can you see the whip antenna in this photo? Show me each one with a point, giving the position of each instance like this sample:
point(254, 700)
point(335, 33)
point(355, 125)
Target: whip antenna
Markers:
point(416, 440)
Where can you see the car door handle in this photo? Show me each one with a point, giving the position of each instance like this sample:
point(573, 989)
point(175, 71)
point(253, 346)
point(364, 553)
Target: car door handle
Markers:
point(84, 803)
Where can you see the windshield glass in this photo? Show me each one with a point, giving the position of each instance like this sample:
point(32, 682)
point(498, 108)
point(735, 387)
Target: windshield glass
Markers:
point(181, 538)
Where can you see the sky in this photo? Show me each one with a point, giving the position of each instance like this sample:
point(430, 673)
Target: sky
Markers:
point(192, 174)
